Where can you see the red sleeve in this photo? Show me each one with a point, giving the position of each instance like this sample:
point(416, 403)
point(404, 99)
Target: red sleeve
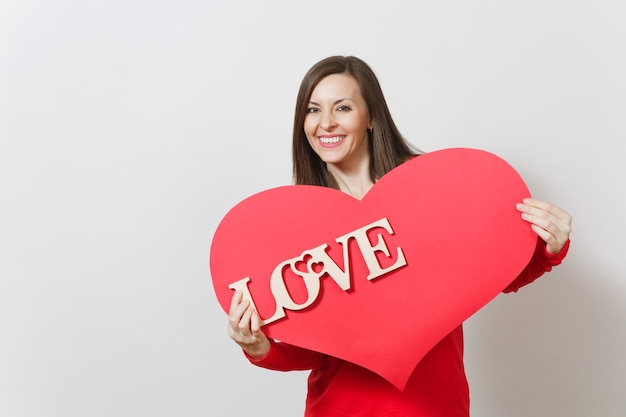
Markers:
point(541, 262)
point(286, 357)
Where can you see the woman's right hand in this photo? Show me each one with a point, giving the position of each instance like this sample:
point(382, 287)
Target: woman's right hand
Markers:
point(244, 327)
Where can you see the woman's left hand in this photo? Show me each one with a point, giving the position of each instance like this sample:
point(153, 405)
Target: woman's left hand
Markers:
point(550, 222)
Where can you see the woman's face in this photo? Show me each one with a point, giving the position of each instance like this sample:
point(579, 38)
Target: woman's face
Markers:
point(337, 120)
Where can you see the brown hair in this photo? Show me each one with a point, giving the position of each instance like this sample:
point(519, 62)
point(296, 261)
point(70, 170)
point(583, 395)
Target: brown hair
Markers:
point(388, 148)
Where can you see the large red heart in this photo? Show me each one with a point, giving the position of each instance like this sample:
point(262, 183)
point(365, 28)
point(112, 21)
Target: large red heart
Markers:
point(451, 215)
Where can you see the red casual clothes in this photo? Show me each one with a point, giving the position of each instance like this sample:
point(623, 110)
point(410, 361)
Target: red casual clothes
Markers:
point(437, 387)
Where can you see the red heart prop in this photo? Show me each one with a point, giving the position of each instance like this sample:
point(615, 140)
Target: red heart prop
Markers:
point(450, 215)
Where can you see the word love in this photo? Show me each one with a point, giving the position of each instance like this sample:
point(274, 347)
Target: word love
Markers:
point(316, 257)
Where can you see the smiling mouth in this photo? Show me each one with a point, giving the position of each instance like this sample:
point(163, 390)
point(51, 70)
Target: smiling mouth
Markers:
point(331, 140)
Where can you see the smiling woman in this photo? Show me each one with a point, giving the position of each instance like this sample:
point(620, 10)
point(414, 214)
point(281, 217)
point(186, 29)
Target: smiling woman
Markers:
point(344, 138)
point(346, 78)
point(337, 125)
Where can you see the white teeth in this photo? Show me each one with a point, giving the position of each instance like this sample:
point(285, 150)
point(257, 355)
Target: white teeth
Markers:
point(332, 140)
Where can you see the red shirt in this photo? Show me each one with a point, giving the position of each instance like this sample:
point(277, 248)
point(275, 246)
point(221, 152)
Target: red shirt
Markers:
point(437, 387)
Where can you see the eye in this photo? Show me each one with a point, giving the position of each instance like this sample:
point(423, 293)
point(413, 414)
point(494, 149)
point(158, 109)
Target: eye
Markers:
point(312, 110)
point(343, 108)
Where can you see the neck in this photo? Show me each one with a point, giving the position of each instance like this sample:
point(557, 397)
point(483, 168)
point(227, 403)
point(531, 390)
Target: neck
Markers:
point(353, 179)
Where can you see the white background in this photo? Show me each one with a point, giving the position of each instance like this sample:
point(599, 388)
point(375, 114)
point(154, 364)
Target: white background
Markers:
point(129, 128)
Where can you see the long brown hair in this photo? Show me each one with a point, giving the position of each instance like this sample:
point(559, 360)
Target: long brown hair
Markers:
point(388, 148)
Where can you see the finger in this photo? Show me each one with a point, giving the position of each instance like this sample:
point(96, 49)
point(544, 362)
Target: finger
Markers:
point(545, 235)
point(237, 313)
point(255, 324)
point(244, 323)
point(235, 301)
point(545, 225)
point(552, 218)
point(538, 207)
point(554, 243)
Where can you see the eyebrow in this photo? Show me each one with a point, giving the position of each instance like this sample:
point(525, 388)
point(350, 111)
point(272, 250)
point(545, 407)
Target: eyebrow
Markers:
point(336, 101)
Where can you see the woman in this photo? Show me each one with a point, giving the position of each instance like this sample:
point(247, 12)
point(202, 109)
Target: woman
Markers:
point(344, 137)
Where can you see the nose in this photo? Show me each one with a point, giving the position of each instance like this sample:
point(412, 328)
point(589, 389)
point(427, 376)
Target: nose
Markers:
point(328, 121)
